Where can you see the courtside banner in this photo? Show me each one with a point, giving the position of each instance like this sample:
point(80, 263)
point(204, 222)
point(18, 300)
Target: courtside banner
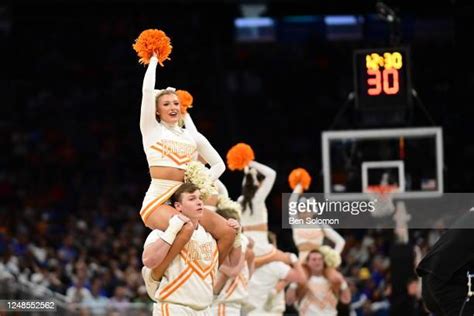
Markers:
point(314, 210)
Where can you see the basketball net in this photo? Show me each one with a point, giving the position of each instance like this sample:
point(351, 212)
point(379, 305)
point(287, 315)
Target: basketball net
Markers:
point(382, 195)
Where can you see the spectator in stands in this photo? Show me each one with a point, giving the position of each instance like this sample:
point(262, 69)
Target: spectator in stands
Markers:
point(78, 293)
point(97, 302)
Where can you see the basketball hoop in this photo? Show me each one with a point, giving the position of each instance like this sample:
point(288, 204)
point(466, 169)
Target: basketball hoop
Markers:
point(382, 195)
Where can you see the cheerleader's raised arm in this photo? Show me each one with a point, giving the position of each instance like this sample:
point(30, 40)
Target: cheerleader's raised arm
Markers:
point(267, 184)
point(295, 194)
point(148, 106)
point(257, 184)
point(334, 236)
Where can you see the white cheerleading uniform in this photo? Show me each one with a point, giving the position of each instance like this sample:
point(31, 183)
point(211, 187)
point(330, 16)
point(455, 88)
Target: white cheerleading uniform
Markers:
point(260, 213)
point(319, 299)
point(235, 291)
point(263, 280)
point(186, 287)
point(307, 239)
point(169, 146)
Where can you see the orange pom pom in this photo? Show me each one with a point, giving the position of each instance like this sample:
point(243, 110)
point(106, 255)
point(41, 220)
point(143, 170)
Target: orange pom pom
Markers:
point(299, 175)
point(239, 156)
point(150, 41)
point(185, 99)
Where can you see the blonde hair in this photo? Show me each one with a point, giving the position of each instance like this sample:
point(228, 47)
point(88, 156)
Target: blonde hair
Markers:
point(164, 92)
point(228, 213)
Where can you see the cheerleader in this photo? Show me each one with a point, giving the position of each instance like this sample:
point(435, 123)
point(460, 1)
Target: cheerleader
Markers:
point(319, 295)
point(231, 286)
point(169, 148)
point(311, 239)
point(256, 186)
point(307, 239)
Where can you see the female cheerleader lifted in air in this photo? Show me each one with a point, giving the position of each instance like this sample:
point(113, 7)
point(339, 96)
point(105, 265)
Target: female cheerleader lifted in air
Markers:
point(169, 149)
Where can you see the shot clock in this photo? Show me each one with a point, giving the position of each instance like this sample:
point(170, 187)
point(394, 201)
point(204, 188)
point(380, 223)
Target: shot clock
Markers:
point(382, 78)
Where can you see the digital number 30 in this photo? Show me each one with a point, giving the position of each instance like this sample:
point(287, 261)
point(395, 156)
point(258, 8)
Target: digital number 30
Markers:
point(381, 81)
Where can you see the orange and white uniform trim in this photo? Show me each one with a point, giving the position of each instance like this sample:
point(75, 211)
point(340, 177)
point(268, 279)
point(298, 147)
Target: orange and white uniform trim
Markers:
point(227, 309)
point(229, 302)
point(234, 292)
point(159, 192)
point(189, 279)
point(320, 299)
point(171, 153)
point(166, 309)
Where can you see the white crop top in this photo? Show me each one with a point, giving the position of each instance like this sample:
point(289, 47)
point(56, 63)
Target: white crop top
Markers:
point(260, 212)
point(315, 235)
point(170, 145)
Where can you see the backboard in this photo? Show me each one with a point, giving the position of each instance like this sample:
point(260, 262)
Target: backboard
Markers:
point(410, 158)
